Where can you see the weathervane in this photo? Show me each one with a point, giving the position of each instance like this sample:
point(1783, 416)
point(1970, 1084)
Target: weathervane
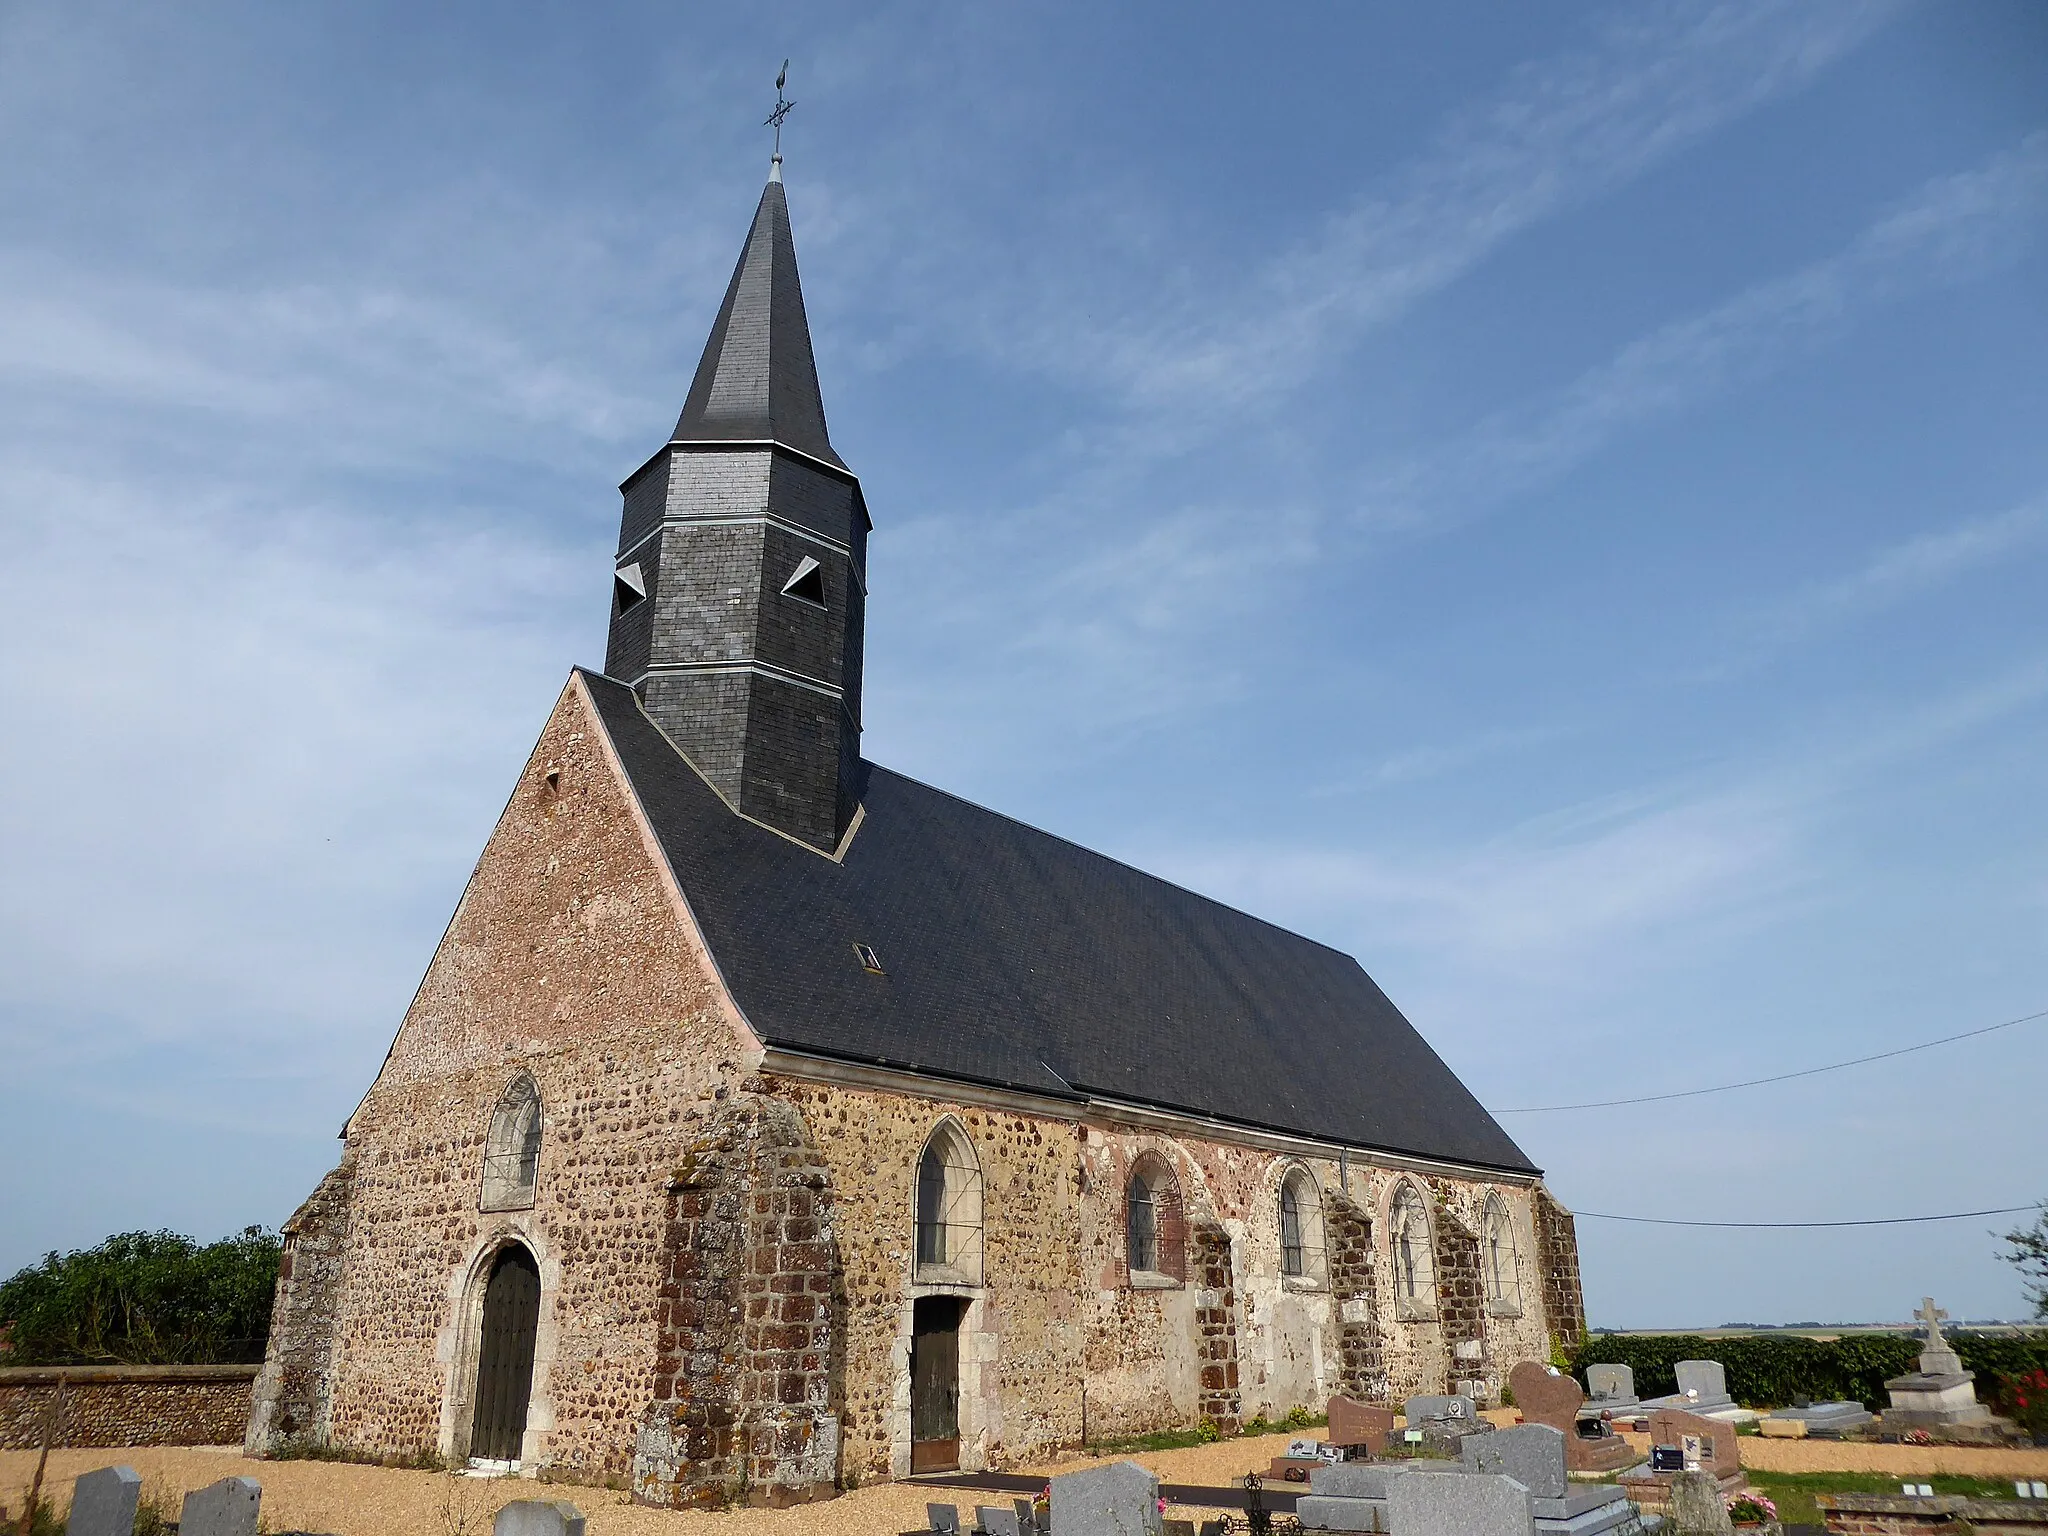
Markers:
point(781, 111)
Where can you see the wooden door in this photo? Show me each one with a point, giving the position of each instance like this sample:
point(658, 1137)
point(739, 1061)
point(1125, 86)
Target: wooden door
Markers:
point(935, 1384)
point(504, 1367)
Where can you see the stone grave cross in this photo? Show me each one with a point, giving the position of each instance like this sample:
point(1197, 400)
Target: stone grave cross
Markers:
point(1932, 1315)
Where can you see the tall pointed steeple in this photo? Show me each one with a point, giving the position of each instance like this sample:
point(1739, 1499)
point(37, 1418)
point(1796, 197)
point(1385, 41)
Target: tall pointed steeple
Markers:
point(757, 381)
point(740, 587)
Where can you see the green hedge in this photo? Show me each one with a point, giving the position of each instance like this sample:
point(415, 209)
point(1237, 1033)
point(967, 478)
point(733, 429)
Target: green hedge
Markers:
point(1769, 1370)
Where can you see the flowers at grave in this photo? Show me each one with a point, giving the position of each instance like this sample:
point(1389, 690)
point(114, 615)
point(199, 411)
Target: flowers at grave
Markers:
point(1750, 1509)
point(2028, 1395)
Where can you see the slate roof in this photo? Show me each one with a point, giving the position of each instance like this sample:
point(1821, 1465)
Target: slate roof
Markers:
point(1018, 959)
point(757, 380)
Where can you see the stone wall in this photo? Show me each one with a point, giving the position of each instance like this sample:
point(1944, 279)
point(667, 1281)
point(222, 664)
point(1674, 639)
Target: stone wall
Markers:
point(1557, 1243)
point(293, 1393)
point(1460, 1301)
point(1216, 1319)
point(1361, 1367)
point(570, 957)
point(125, 1405)
point(745, 1402)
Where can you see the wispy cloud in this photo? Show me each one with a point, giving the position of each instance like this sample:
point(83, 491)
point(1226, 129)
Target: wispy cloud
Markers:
point(1561, 131)
point(1909, 569)
point(1952, 229)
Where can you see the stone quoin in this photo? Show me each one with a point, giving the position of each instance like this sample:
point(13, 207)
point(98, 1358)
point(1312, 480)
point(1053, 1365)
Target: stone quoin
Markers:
point(767, 1120)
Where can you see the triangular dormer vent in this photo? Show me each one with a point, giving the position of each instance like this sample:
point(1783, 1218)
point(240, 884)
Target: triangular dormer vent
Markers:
point(806, 582)
point(629, 588)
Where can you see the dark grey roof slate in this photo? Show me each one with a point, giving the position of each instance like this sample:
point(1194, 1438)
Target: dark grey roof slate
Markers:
point(1016, 958)
point(757, 380)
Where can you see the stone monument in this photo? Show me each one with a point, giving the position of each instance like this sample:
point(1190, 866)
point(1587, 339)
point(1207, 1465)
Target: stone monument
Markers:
point(1459, 1504)
point(1534, 1456)
point(1941, 1392)
point(226, 1508)
point(1694, 1444)
point(1546, 1395)
point(536, 1517)
point(1356, 1426)
point(1611, 1387)
point(1121, 1499)
point(103, 1503)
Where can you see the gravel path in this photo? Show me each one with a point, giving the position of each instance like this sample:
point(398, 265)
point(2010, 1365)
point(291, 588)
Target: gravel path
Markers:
point(344, 1500)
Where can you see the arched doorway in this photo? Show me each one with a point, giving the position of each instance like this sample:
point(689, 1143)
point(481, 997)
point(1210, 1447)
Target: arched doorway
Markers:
point(504, 1366)
point(935, 1383)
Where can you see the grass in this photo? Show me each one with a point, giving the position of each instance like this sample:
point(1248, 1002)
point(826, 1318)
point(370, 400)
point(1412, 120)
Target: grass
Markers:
point(1793, 1492)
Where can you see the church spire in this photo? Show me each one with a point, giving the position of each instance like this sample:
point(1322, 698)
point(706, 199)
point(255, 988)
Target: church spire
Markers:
point(739, 591)
point(757, 381)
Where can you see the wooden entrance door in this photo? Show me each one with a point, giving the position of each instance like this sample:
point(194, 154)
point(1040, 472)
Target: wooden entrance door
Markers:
point(935, 1384)
point(504, 1366)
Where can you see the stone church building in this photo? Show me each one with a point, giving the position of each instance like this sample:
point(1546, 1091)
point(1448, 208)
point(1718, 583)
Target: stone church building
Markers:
point(768, 1121)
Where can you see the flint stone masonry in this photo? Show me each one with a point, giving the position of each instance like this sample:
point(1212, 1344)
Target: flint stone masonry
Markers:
point(1460, 1299)
point(293, 1392)
point(1557, 1257)
point(103, 1503)
point(537, 1517)
point(126, 1405)
point(1121, 1499)
point(227, 1508)
point(571, 957)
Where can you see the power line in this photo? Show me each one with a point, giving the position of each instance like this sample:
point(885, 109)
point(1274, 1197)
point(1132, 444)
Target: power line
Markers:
point(1881, 1221)
point(1783, 1077)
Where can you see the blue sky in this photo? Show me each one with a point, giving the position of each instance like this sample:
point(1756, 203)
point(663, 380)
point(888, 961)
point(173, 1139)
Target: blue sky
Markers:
point(1552, 500)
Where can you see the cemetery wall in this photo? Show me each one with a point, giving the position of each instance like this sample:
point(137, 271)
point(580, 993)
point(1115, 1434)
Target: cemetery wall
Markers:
point(125, 1405)
point(568, 958)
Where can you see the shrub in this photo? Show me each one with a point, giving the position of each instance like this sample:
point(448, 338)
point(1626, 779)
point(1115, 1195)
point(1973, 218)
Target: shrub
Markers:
point(144, 1298)
point(1772, 1369)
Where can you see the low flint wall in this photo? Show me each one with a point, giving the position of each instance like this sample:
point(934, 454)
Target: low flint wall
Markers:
point(126, 1404)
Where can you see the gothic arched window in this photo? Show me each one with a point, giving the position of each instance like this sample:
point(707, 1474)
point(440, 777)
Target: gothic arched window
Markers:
point(512, 1151)
point(1500, 1260)
point(1301, 1225)
point(1156, 1235)
point(1413, 1254)
point(949, 1208)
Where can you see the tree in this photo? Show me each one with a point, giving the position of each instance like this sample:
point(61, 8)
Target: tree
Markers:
point(2029, 1256)
point(144, 1298)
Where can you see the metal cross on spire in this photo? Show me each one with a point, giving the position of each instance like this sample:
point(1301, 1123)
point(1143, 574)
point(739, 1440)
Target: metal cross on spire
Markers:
point(774, 119)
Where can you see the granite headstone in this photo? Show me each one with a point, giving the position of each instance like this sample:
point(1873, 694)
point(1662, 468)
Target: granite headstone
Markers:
point(1121, 1499)
point(1611, 1385)
point(103, 1503)
point(943, 1517)
point(226, 1508)
point(1359, 1426)
point(1532, 1454)
point(998, 1522)
point(535, 1517)
point(1459, 1504)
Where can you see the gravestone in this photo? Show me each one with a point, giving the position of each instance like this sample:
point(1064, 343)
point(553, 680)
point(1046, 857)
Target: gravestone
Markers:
point(1941, 1392)
point(1547, 1396)
point(1027, 1516)
point(1359, 1426)
point(1438, 1424)
point(103, 1503)
point(1459, 1504)
point(1691, 1443)
point(1534, 1456)
point(535, 1517)
point(1417, 1410)
point(1121, 1499)
point(1704, 1385)
point(1347, 1496)
point(1825, 1421)
point(1697, 1508)
point(227, 1508)
point(943, 1517)
point(1611, 1386)
point(998, 1522)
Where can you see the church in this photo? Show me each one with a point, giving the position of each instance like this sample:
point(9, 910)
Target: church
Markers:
point(767, 1121)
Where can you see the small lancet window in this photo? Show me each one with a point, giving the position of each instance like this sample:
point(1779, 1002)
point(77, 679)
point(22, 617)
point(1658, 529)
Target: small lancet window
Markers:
point(1301, 1226)
point(1413, 1256)
point(869, 960)
point(806, 582)
point(1155, 1233)
point(949, 1209)
point(512, 1151)
point(629, 588)
point(1500, 1260)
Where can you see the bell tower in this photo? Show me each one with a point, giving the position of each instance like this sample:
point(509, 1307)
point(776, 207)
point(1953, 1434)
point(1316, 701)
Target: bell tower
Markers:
point(739, 590)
